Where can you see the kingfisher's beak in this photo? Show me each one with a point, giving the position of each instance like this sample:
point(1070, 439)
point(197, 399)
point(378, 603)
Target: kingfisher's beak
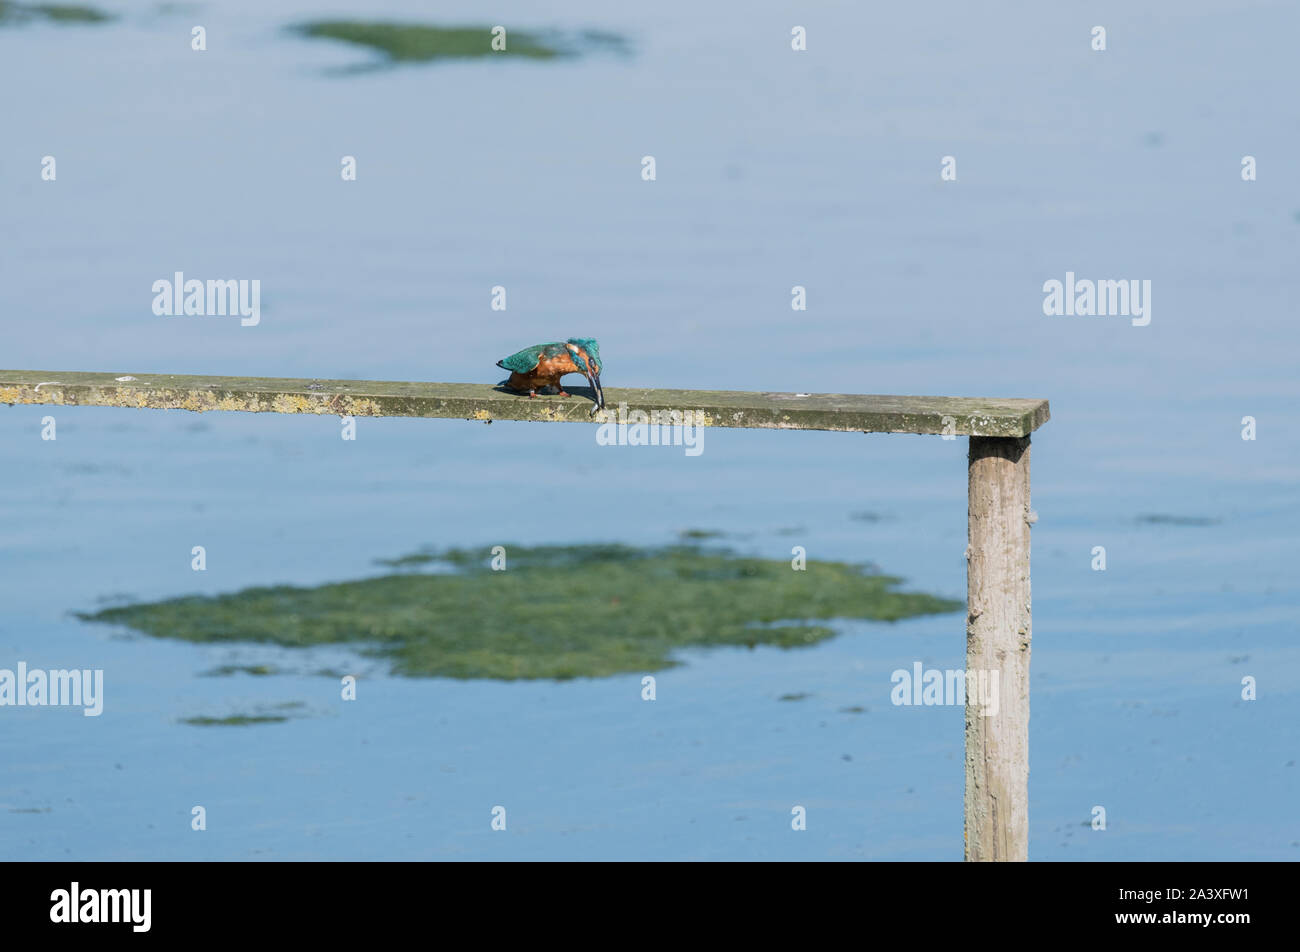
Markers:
point(594, 379)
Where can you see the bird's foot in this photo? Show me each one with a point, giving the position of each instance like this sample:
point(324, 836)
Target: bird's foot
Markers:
point(531, 394)
point(563, 393)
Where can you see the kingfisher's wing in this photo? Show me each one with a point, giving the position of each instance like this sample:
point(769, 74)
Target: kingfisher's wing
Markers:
point(525, 361)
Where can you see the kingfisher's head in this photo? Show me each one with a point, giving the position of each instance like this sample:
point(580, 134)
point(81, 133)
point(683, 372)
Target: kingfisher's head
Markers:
point(586, 354)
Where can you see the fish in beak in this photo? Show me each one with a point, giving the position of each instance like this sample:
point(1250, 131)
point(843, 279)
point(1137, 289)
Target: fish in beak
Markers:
point(593, 377)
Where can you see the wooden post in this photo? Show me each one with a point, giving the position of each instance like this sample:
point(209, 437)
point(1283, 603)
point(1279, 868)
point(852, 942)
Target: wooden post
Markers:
point(998, 640)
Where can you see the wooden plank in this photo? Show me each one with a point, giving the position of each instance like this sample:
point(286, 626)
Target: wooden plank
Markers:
point(998, 634)
point(957, 416)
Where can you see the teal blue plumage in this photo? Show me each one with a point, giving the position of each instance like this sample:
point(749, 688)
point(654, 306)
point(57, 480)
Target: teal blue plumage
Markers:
point(591, 347)
point(525, 361)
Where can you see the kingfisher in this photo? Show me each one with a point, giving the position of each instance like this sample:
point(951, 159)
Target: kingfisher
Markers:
point(541, 366)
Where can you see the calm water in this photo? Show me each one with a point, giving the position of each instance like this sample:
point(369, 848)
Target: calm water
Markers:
point(774, 169)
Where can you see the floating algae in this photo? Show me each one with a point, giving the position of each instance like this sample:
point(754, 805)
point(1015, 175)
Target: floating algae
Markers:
point(17, 13)
point(235, 720)
point(555, 612)
point(1164, 519)
point(225, 670)
point(265, 715)
point(419, 43)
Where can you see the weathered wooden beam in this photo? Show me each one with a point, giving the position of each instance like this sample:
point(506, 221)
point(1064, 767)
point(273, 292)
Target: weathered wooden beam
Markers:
point(957, 416)
point(998, 640)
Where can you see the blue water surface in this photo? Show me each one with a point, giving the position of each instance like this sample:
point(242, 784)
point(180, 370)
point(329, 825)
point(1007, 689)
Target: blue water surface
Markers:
point(775, 168)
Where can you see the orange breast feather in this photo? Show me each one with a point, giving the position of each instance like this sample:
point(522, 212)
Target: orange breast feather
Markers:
point(551, 367)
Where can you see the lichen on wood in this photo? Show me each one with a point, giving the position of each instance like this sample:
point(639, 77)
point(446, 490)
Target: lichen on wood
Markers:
point(954, 416)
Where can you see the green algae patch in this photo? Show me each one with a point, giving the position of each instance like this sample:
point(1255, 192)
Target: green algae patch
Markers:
point(554, 612)
point(692, 535)
point(235, 720)
point(410, 560)
point(17, 13)
point(266, 714)
point(421, 43)
point(226, 670)
point(1165, 519)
